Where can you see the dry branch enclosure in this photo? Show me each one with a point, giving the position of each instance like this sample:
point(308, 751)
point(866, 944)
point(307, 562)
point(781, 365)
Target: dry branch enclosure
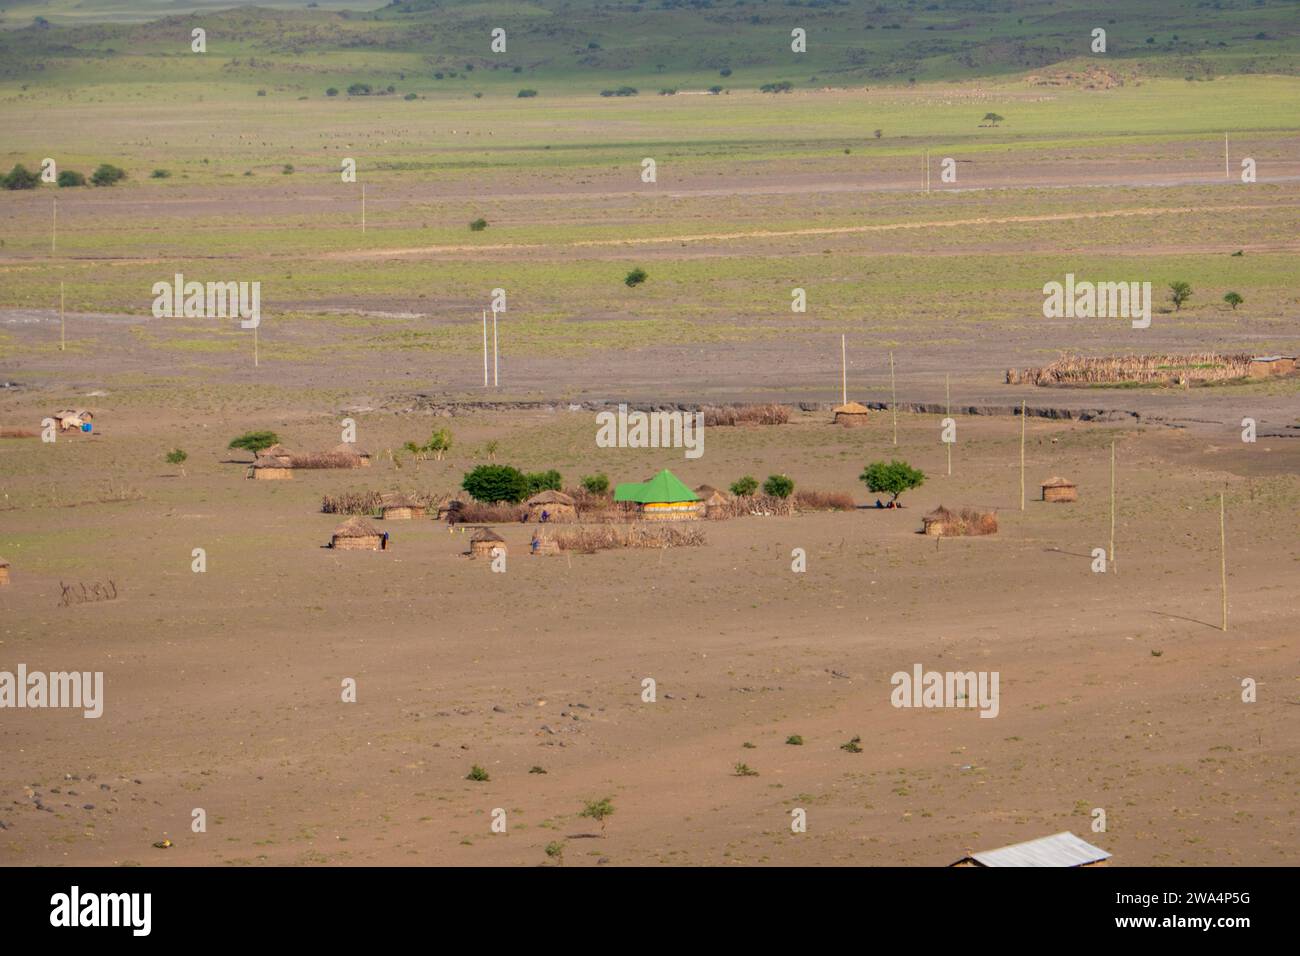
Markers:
point(968, 522)
point(1198, 368)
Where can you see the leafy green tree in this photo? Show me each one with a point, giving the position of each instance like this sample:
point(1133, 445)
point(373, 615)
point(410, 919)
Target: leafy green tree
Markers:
point(599, 810)
point(439, 443)
point(893, 478)
point(177, 457)
point(1233, 299)
point(255, 441)
point(1179, 292)
point(778, 486)
point(544, 481)
point(478, 225)
point(744, 487)
point(493, 483)
point(20, 177)
point(106, 174)
point(596, 484)
point(70, 177)
point(635, 277)
point(993, 119)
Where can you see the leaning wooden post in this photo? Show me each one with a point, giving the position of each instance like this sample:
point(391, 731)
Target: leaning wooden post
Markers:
point(1223, 563)
point(363, 208)
point(1022, 454)
point(1113, 569)
point(63, 331)
point(844, 372)
point(893, 396)
point(947, 391)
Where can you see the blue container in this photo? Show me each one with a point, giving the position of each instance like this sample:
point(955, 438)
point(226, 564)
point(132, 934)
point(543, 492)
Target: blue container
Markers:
point(86, 427)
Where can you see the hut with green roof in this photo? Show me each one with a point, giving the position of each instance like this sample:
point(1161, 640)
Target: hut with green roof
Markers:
point(663, 498)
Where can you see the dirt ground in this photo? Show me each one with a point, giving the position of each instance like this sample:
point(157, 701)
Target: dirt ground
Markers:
point(223, 689)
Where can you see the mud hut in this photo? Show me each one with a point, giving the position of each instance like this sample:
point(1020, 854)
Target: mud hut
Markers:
point(1263, 366)
point(270, 469)
point(1060, 489)
point(940, 521)
point(357, 534)
point(556, 505)
point(276, 452)
point(4, 572)
point(347, 450)
point(449, 510)
point(711, 499)
point(73, 419)
point(1060, 849)
point(484, 541)
point(399, 508)
point(851, 414)
point(663, 498)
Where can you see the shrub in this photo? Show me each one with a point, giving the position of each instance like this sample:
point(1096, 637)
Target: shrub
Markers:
point(784, 86)
point(635, 277)
point(410, 96)
point(478, 225)
point(1179, 292)
point(261, 92)
point(543, 481)
point(768, 414)
point(254, 441)
point(107, 174)
point(1233, 299)
point(359, 89)
point(332, 91)
point(745, 770)
point(621, 91)
point(493, 483)
point(176, 457)
point(287, 169)
point(715, 90)
point(596, 484)
point(806, 500)
point(598, 810)
point(525, 94)
point(725, 71)
point(160, 174)
point(778, 486)
point(743, 487)
point(853, 746)
point(794, 740)
point(478, 774)
point(20, 177)
point(893, 478)
point(70, 177)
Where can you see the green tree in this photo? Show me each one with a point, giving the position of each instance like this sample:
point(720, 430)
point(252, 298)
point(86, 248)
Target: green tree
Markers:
point(1179, 292)
point(493, 483)
point(1233, 299)
point(439, 443)
point(596, 484)
point(177, 457)
point(599, 810)
point(635, 277)
point(478, 225)
point(993, 119)
point(778, 486)
point(893, 478)
point(744, 487)
point(70, 177)
point(20, 177)
point(544, 481)
point(106, 174)
point(255, 441)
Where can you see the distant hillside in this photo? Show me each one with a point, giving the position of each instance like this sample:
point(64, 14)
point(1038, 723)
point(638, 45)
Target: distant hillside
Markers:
point(588, 45)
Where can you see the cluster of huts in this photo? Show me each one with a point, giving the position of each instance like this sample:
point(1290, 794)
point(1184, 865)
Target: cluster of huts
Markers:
point(277, 463)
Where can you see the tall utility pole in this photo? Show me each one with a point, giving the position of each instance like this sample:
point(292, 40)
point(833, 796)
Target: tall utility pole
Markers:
point(485, 378)
point(844, 372)
point(495, 379)
point(63, 329)
point(947, 391)
point(1022, 454)
point(1112, 506)
point(363, 208)
point(1226, 173)
point(1223, 563)
point(893, 396)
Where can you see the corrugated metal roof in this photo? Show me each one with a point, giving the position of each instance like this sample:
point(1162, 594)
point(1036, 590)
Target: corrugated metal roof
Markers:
point(1060, 849)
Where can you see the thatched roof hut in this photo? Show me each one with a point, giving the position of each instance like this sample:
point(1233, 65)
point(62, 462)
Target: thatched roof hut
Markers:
point(851, 414)
point(710, 498)
point(942, 522)
point(1060, 489)
point(276, 452)
point(399, 507)
point(357, 534)
point(484, 541)
point(270, 469)
point(939, 521)
point(4, 572)
point(555, 505)
point(352, 451)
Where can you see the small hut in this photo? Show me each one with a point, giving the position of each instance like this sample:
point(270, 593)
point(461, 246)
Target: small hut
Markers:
point(555, 505)
point(1060, 849)
point(270, 469)
point(1060, 489)
point(352, 451)
point(449, 510)
point(399, 508)
point(938, 522)
point(1263, 366)
point(710, 499)
point(4, 572)
point(851, 414)
point(484, 542)
point(663, 498)
point(357, 534)
point(276, 452)
point(73, 420)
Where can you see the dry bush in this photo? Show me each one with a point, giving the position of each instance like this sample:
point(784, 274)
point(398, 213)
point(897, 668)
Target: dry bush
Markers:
point(324, 459)
point(1139, 369)
point(768, 414)
point(18, 433)
point(588, 540)
point(351, 503)
point(968, 522)
point(813, 500)
point(481, 512)
point(766, 505)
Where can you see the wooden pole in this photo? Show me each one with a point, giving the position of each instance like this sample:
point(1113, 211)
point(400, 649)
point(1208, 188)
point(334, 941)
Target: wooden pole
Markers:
point(1112, 507)
point(363, 208)
point(54, 227)
point(63, 329)
point(893, 396)
point(947, 391)
point(1022, 454)
point(1226, 173)
point(1223, 562)
point(844, 373)
point(485, 380)
point(927, 172)
point(495, 379)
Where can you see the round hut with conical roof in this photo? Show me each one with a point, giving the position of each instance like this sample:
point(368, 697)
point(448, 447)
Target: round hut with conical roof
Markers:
point(276, 452)
point(270, 469)
point(399, 507)
point(938, 522)
point(554, 505)
point(711, 499)
point(357, 534)
point(351, 451)
point(851, 414)
point(1060, 490)
point(484, 542)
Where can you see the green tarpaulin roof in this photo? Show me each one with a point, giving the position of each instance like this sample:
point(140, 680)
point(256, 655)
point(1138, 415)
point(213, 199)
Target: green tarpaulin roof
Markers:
point(664, 486)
